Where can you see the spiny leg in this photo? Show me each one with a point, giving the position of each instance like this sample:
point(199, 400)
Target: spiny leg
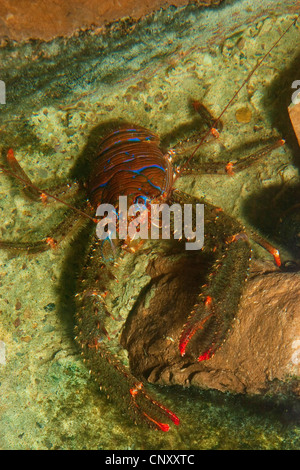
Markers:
point(232, 99)
point(28, 188)
point(232, 167)
point(211, 318)
point(118, 382)
point(33, 192)
point(218, 301)
point(267, 246)
point(63, 230)
point(100, 351)
point(61, 233)
point(207, 117)
point(213, 133)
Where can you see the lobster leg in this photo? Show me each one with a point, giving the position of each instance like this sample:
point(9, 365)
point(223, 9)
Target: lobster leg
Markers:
point(30, 190)
point(119, 382)
point(233, 167)
point(211, 318)
point(62, 232)
point(219, 299)
point(100, 353)
point(65, 229)
point(19, 173)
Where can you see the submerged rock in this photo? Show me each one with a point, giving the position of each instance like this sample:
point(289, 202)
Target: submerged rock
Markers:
point(261, 354)
point(294, 113)
point(26, 21)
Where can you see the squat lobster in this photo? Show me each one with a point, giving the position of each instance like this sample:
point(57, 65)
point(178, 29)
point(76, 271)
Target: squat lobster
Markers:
point(130, 162)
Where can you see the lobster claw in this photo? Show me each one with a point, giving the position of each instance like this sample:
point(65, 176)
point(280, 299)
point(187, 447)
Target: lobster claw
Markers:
point(202, 319)
point(211, 318)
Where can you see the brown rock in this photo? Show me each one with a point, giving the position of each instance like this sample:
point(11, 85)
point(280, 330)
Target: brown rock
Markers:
point(261, 354)
point(294, 112)
point(45, 20)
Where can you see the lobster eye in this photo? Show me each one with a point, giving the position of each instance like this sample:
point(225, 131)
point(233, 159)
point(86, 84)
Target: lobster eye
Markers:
point(142, 200)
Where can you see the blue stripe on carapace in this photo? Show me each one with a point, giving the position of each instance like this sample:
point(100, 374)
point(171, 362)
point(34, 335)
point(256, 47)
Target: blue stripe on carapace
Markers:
point(137, 172)
point(117, 142)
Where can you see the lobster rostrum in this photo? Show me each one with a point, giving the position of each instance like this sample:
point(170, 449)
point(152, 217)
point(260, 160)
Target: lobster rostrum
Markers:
point(130, 162)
